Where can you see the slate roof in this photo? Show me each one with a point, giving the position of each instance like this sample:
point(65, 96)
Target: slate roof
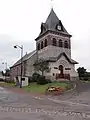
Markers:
point(54, 59)
point(26, 57)
point(50, 59)
point(52, 21)
point(51, 24)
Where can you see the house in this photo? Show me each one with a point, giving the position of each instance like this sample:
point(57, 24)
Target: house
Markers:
point(53, 45)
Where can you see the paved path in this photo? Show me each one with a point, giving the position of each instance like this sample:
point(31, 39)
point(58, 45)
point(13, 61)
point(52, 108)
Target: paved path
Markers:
point(14, 106)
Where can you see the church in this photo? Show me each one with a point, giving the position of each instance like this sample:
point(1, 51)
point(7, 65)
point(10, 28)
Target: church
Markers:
point(53, 44)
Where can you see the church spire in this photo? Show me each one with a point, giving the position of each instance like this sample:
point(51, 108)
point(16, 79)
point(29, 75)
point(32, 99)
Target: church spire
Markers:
point(53, 21)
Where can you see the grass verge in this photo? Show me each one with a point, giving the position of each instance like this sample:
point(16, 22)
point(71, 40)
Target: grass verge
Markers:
point(4, 84)
point(34, 87)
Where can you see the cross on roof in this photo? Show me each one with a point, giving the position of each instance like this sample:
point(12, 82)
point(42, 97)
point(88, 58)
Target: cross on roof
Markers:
point(52, 4)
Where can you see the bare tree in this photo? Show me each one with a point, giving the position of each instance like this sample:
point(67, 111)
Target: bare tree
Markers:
point(42, 65)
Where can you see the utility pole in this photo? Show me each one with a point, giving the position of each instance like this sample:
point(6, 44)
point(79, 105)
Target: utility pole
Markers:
point(21, 47)
point(5, 63)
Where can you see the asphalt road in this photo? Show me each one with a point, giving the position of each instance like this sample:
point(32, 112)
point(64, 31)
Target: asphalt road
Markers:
point(14, 106)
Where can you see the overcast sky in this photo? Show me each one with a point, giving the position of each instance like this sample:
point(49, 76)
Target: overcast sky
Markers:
point(20, 22)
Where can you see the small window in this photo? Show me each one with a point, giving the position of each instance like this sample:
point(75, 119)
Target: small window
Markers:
point(42, 45)
point(45, 42)
point(38, 46)
point(54, 42)
point(60, 43)
point(55, 68)
point(53, 74)
point(66, 44)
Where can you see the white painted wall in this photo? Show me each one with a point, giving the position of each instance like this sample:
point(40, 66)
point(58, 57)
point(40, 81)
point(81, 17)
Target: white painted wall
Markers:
point(24, 83)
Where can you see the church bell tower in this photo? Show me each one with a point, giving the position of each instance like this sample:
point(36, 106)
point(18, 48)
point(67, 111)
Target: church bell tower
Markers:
point(53, 38)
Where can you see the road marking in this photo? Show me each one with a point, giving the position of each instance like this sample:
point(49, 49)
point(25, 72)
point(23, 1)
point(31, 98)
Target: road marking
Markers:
point(43, 111)
point(37, 97)
point(1, 88)
point(64, 102)
point(2, 98)
point(68, 102)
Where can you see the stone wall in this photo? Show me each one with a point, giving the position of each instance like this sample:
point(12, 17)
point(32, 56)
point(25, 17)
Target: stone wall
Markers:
point(29, 70)
point(62, 61)
point(53, 51)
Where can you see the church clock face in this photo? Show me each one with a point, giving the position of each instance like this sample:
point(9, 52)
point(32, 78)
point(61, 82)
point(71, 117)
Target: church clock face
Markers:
point(59, 27)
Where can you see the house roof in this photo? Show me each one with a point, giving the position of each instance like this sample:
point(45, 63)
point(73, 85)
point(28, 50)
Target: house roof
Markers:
point(25, 57)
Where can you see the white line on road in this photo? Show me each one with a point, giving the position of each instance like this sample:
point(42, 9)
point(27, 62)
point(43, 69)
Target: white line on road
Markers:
point(68, 102)
point(63, 102)
point(37, 97)
point(2, 98)
point(1, 88)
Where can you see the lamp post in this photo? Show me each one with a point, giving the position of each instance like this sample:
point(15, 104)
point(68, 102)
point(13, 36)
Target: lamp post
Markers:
point(21, 47)
point(5, 63)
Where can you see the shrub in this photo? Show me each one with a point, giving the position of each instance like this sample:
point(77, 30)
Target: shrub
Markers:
point(49, 81)
point(35, 77)
point(86, 78)
point(42, 80)
point(1, 79)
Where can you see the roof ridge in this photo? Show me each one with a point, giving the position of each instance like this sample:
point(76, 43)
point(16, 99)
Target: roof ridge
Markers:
point(25, 57)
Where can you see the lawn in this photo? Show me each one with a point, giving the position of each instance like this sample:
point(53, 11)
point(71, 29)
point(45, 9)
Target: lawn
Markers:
point(34, 87)
point(4, 84)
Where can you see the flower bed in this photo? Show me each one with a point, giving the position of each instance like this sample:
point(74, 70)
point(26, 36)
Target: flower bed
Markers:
point(54, 90)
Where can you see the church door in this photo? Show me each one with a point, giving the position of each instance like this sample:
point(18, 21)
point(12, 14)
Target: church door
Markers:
point(61, 71)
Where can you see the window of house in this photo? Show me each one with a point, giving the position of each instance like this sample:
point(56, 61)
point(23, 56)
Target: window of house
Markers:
point(54, 42)
point(45, 42)
point(38, 46)
point(60, 43)
point(66, 44)
point(42, 45)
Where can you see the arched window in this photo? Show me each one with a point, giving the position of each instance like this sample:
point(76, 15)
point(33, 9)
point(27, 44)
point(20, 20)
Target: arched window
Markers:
point(54, 42)
point(45, 44)
point(42, 45)
point(66, 44)
point(60, 43)
point(38, 47)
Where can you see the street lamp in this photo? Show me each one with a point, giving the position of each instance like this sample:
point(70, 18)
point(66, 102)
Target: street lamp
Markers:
point(5, 63)
point(21, 47)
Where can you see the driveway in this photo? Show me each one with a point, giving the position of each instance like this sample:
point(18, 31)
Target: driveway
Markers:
point(16, 106)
